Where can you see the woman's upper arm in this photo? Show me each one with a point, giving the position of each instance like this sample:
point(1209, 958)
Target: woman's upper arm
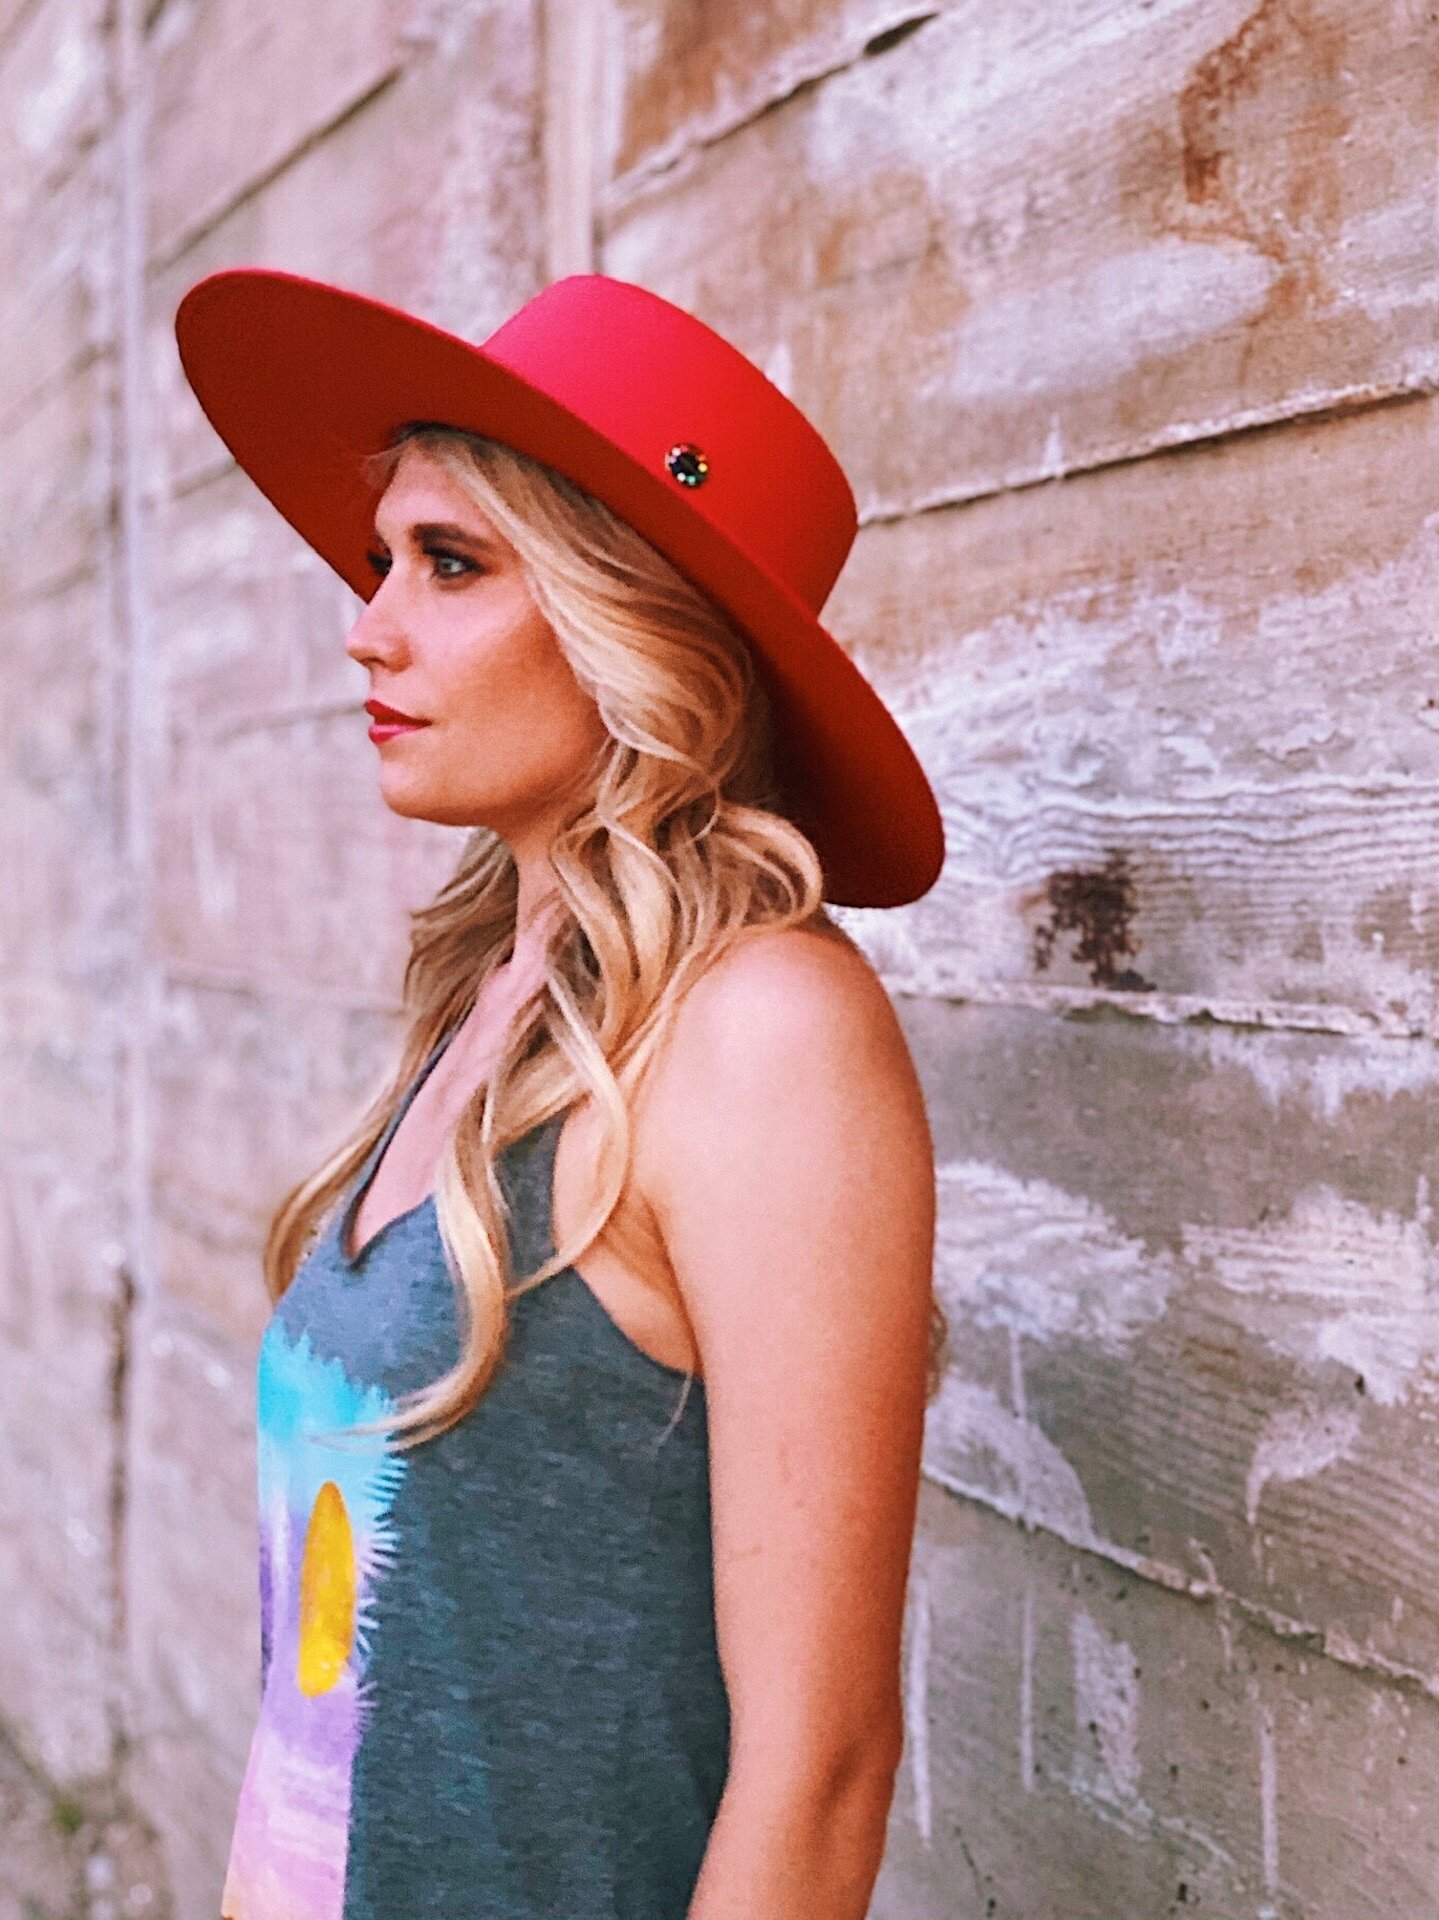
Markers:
point(794, 1186)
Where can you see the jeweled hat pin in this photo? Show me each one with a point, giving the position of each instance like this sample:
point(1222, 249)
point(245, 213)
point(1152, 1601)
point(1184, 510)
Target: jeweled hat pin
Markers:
point(645, 407)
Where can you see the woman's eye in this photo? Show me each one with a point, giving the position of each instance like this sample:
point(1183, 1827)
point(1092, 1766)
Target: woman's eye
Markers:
point(380, 563)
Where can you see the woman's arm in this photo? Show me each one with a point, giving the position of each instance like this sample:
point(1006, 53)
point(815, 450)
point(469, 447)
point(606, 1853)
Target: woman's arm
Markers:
point(792, 1175)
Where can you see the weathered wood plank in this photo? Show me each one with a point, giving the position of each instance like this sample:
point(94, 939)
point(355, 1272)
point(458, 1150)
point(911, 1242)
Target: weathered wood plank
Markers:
point(456, 233)
point(57, 269)
point(249, 1092)
point(58, 1334)
point(54, 488)
point(684, 73)
point(257, 686)
point(1190, 1275)
point(54, 97)
point(1181, 718)
point(1082, 1743)
point(56, 836)
point(273, 844)
point(280, 855)
point(193, 1591)
point(1030, 240)
point(238, 89)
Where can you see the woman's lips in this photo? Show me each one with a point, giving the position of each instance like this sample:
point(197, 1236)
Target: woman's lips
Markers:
point(387, 729)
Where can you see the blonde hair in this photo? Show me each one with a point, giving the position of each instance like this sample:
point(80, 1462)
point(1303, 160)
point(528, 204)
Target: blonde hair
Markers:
point(673, 848)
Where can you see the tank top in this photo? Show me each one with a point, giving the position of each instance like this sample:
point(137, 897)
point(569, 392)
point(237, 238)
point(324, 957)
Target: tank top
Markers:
point(490, 1683)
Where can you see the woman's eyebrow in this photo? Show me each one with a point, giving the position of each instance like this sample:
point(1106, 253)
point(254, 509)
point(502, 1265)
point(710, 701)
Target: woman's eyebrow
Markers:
point(423, 530)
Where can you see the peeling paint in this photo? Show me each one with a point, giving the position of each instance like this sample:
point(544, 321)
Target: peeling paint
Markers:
point(1068, 332)
point(1296, 1443)
point(1106, 1720)
point(1043, 1262)
point(1322, 1083)
point(916, 1702)
point(975, 1445)
point(47, 112)
point(1334, 1282)
point(1289, 810)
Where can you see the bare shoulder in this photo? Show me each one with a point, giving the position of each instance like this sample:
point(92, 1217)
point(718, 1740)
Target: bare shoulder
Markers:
point(785, 989)
point(790, 1021)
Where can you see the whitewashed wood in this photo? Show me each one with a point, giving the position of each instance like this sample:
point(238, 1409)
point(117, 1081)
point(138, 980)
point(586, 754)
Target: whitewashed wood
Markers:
point(1190, 1277)
point(58, 1348)
point(1080, 1743)
point(282, 880)
point(60, 1338)
point(56, 852)
point(429, 197)
point(1218, 665)
point(269, 865)
point(194, 1642)
point(56, 266)
point(54, 97)
point(573, 61)
point(251, 1089)
point(682, 76)
point(279, 865)
point(238, 89)
point(1032, 239)
point(53, 489)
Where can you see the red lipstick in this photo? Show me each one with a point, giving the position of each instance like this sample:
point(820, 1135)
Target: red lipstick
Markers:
point(389, 721)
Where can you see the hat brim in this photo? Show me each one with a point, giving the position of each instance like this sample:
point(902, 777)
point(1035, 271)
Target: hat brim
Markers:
point(301, 380)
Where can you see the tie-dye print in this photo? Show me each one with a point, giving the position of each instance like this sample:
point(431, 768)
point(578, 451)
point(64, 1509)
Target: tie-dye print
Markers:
point(490, 1684)
point(325, 1541)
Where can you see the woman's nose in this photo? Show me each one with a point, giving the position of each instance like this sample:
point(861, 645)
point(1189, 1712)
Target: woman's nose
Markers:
point(374, 635)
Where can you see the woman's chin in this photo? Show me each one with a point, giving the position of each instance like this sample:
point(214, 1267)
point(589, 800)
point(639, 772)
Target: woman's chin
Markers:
point(418, 800)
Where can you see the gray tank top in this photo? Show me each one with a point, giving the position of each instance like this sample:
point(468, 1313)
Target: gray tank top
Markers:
point(490, 1684)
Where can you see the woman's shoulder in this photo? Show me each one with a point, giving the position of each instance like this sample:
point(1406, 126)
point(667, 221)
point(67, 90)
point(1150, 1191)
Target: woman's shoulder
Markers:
point(806, 971)
point(777, 995)
point(786, 1053)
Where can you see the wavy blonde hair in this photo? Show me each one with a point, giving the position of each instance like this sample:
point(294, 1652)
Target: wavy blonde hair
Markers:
point(673, 848)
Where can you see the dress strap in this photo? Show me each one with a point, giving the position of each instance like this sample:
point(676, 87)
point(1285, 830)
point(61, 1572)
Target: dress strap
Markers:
point(372, 1159)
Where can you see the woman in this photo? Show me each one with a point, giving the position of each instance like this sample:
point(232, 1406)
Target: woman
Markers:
point(591, 1404)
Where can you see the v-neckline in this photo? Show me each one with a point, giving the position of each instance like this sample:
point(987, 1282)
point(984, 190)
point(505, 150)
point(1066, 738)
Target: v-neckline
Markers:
point(371, 1167)
point(530, 973)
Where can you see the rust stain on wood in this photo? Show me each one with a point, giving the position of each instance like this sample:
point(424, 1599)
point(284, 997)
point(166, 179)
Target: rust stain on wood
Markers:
point(1097, 905)
point(1279, 191)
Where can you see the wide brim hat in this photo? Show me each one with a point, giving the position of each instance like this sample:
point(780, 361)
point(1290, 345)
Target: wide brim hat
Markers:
point(655, 414)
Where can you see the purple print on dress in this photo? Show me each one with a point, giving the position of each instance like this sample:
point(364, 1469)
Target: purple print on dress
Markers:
point(325, 1542)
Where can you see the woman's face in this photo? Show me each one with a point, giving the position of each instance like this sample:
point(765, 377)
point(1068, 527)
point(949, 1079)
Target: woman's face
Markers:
point(453, 638)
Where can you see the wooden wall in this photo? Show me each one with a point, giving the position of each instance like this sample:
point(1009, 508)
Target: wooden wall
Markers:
point(1122, 318)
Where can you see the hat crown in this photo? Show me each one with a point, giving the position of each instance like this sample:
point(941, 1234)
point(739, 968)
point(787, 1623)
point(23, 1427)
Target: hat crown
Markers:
point(657, 382)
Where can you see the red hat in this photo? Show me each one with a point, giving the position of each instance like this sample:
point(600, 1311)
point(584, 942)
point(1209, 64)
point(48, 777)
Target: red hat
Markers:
point(649, 410)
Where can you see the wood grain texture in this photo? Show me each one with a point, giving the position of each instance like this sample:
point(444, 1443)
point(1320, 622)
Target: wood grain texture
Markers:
point(1083, 1743)
point(1182, 718)
point(59, 1223)
point(195, 1635)
point(252, 1089)
point(238, 90)
point(56, 267)
point(1190, 1278)
point(685, 74)
point(1028, 240)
